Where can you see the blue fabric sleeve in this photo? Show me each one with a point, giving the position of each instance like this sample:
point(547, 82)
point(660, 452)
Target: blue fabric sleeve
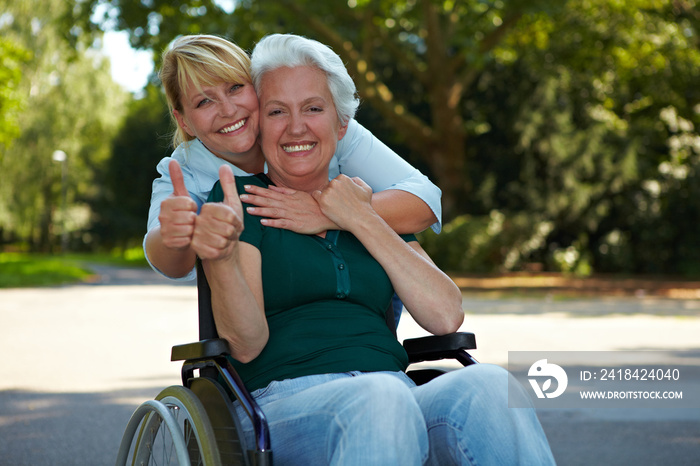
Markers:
point(361, 154)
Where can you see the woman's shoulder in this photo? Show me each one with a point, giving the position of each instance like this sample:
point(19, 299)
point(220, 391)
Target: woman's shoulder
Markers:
point(217, 193)
point(260, 179)
point(194, 160)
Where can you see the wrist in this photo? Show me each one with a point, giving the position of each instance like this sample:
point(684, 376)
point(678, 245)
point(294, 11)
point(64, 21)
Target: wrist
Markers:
point(368, 220)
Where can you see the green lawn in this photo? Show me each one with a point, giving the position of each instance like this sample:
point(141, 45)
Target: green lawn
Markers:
point(30, 270)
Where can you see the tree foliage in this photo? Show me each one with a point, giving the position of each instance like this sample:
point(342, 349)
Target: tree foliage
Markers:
point(71, 105)
point(592, 132)
point(12, 57)
point(415, 71)
point(121, 209)
point(572, 124)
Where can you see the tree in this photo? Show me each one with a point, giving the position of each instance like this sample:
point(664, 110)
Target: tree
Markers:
point(121, 209)
point(552, 116)
point(591, 141)
point(12, 57)
point(72, 105)
point(416, 71)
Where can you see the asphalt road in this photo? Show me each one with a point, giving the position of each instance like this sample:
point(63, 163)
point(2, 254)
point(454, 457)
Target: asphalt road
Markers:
point(77, 360)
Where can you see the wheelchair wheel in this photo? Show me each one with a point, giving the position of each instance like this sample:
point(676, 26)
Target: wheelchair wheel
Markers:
point(223, 419)
point(172, 429)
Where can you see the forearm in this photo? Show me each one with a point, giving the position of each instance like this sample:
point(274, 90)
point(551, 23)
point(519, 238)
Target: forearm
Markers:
point(174, 263)
point(404, 212)
point(430, 295)
point(237, 303)
point(432, 298)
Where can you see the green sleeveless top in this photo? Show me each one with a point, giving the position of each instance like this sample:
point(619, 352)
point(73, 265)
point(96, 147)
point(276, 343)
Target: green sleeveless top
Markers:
point(325, 303)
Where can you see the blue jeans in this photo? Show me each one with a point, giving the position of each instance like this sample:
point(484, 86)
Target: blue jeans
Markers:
point(383, 418)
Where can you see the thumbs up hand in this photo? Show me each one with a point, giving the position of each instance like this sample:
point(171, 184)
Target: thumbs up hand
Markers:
point(177, 212)
point(219, 224)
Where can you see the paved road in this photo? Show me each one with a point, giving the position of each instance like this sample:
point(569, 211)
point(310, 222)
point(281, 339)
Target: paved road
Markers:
point(77, 360)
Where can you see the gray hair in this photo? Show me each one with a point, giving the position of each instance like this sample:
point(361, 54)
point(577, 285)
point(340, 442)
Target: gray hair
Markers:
point(289, 50)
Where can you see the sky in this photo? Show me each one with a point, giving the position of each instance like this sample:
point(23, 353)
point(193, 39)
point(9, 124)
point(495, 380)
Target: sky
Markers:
point(130, 67)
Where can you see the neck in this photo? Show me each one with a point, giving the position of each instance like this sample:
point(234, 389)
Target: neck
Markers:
point(302, 183)
point(253, 164)
point(251, 161)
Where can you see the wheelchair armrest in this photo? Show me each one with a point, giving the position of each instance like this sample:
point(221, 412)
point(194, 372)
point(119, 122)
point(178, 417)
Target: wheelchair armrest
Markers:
point(433, 348)
point(200, 350)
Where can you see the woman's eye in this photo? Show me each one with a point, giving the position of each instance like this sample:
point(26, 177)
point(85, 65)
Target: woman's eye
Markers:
point(235, 87)
point(202, 102)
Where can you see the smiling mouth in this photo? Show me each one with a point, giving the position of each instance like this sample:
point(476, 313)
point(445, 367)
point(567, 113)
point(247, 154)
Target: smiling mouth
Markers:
point(298, 148)
point(233, 127)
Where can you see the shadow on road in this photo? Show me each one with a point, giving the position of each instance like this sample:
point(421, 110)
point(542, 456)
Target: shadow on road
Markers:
point(578, 438)
point(43, 428)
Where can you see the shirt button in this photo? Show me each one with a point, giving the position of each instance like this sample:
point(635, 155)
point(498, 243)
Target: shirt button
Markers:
point(329, 246)
point(341, 296)
point(341, 266)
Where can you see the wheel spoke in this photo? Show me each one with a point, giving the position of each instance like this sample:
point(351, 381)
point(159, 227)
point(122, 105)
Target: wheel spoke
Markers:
point(175, 412)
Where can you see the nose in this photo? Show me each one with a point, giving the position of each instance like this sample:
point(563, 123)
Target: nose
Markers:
point(226, 107)
point(297, 124)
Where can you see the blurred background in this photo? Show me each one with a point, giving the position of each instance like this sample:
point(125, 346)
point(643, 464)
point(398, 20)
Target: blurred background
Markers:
point(565, 135)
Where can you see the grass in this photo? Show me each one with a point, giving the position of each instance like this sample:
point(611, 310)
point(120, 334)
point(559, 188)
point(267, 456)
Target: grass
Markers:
point(19, 270)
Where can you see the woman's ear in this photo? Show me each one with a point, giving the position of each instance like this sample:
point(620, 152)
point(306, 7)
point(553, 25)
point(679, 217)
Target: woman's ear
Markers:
point(341, 132)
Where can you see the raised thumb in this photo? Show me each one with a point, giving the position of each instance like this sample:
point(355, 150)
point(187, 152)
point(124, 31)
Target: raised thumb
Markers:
point(177, 179)
point(228, 186)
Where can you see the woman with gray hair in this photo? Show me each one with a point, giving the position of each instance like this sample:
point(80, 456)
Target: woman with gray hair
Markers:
point(304, 314)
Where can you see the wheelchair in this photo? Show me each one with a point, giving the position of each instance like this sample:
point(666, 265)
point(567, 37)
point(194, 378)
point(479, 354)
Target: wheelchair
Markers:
point(196, 423)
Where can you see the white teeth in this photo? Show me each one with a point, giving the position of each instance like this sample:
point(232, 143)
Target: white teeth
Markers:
point(228, 129)
point(298, 148)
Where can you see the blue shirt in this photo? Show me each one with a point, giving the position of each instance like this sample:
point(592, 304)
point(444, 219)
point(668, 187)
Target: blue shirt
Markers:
point(358, 153)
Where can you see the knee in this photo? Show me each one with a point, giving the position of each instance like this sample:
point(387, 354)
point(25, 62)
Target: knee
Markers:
point(484, 374)
point(494, 385)
point(469, 408)
point(476, 394)
point(383, 418)
point(476, 384)
point(388, 404)
point(385, 395)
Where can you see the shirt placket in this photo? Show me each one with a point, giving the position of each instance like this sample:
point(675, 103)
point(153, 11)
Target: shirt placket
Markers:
point(342, 275)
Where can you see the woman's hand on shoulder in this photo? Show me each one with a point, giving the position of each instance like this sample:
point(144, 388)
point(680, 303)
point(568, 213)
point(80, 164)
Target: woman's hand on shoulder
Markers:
point(288, 209)
point(219, 224)
point(346, 201)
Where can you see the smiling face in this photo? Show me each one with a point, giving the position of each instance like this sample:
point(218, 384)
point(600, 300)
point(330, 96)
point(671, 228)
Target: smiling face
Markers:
point(299, 127)
point(225, 117)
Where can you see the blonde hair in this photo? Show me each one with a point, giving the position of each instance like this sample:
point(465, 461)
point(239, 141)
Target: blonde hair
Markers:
point(203, 60)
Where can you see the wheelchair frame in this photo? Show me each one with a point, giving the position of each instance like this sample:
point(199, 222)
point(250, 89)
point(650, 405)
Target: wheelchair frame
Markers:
point(201, 410)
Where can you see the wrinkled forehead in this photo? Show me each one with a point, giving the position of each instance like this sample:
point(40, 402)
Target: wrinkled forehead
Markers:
point(291, 81)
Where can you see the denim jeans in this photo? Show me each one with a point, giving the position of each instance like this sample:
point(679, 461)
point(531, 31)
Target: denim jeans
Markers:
point(383, 418)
